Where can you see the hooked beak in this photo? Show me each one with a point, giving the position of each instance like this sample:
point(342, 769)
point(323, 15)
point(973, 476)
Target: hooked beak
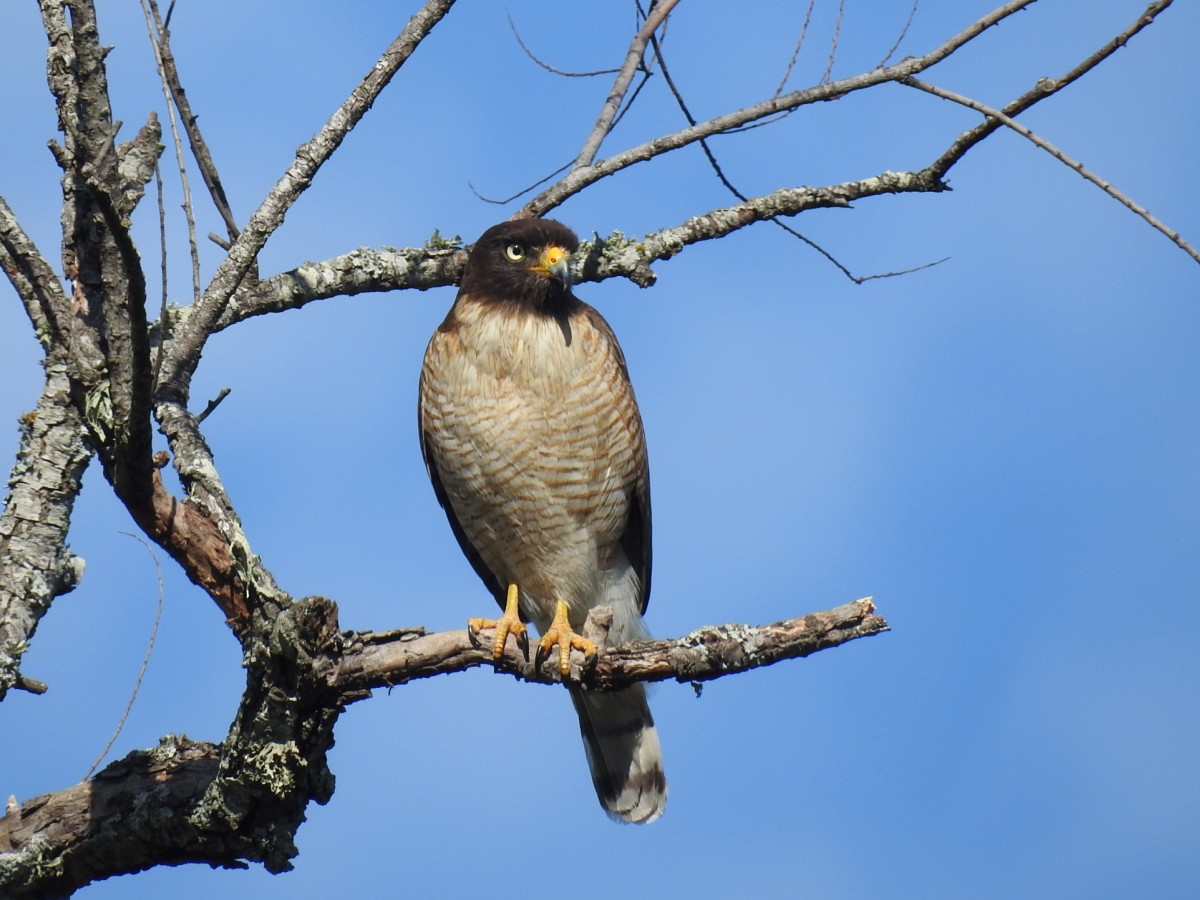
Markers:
point(556, 263)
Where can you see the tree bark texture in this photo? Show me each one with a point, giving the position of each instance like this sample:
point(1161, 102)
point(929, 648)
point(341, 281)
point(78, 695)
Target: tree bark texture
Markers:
point(242, 801)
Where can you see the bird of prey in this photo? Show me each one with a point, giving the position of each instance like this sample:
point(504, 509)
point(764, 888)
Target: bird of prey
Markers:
point(534, 444)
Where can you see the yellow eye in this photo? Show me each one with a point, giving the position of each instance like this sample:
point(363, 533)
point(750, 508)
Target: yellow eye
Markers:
point(515, 252)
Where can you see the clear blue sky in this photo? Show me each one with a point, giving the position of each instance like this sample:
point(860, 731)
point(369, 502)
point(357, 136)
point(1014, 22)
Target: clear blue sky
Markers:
point(1004, 450)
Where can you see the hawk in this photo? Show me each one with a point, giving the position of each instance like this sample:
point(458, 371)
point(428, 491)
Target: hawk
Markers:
point(534, 444)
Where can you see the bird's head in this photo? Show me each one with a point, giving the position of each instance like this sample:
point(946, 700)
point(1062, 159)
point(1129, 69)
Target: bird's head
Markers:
point(526, 262)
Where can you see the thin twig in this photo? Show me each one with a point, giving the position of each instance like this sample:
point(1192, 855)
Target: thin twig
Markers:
point(189, 342)
point(633, 59)
point(787, 73)
point(545, 65)
point(1079, 167)
point(912, 13)
point(521, 193)
point(162, 251)
point(200, 152)
point(581, 177)
point(1045, 87)
point(145, 660)
point(157, 42)
point(716, 167)
point(833, 43)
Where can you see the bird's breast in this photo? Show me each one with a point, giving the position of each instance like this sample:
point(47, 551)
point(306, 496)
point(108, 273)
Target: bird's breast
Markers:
point(537, 441)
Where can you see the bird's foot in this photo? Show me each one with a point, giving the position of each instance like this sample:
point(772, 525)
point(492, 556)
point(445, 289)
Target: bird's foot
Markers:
point(560, 634)
point(508, 623)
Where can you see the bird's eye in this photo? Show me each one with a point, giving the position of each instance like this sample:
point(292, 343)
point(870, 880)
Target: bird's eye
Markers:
point(515, 252)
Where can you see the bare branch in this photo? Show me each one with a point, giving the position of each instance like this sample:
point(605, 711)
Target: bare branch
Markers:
point(1087, 174)
point(273, 762)
point(702, 655)
point(618, 255)
point(1045, 87)
point(184, 352)
point(34, 280)
point(359, 271)
point(582, 176)
point(912, 14)
point(158, 43)
point(160, 39)
point(833, 43)
point(109, 343)
point(633, 59)
point(545, 65)
point(36, 565)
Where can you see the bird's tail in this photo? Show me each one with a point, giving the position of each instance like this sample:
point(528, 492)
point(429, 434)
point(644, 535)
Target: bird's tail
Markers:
point(623, 753)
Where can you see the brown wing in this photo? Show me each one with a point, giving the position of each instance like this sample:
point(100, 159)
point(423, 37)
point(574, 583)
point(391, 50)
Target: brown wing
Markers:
point(636, 538)
point(485, 574)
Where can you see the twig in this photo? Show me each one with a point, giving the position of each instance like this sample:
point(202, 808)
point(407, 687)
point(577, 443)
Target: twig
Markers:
point(160, 37)
point(633, 58)
point(1087, 174)
point(787, 72)
point(523, 191)
point(157, 42)
point(185, 350)
point(1045, 87)
point(545, 65)
point(833, 43)
point(716, 167)
point(162, 253)
point(912, 13)
point(213, 404)
point(137, 684)
point(582, 176)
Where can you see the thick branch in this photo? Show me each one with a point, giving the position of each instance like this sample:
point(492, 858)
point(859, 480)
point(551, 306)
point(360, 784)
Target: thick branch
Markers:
point(54, 844)
point(368, 270)
point(46, 304)
point(359, 271)
point(35, 564)
point(191, 802)
point(384, 660)
point(109, 344)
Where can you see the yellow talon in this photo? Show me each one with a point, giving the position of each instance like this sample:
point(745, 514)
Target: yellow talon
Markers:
point(508, 623)
point(560, 634)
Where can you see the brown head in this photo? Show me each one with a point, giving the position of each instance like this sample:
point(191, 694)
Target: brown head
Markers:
point(525, 263)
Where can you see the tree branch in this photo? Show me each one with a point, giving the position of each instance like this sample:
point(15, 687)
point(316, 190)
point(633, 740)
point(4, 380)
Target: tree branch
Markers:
point(34, 280)
point(633, 60)
point(582, 176)
point(368, 270)
point(1045, 87)
point(184, 351)
point(1040, 142)
point(160, 39)
point(186, 801)
point(35, 564)
point(375, 661)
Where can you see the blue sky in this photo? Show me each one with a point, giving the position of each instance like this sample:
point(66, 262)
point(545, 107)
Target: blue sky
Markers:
point(1004, 450)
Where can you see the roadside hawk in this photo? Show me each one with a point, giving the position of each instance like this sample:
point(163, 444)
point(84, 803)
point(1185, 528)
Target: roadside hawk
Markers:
point(534, 444)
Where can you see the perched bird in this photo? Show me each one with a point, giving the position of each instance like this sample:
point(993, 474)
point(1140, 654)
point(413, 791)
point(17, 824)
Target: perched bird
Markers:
point(534, 444)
